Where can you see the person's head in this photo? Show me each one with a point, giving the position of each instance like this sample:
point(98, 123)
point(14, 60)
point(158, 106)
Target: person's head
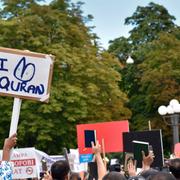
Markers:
point(174, 167)
point(114, 176)
point(136, 178)
point(115, 167)
point(60, 170)
point(162, 176)
point(148, 173)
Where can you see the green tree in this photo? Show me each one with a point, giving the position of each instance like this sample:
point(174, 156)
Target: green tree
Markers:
point(121, 48)
point(159, 79)
point(148, 22)
point(150, 81)
point(16, 8)
point(85, 79)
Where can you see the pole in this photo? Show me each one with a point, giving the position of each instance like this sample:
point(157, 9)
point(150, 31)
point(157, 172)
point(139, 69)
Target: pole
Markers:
point(104, 152)
point(149, 125)
point(15, 116)
point(175, 128)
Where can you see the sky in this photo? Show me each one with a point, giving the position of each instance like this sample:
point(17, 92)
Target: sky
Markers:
point(109, 15)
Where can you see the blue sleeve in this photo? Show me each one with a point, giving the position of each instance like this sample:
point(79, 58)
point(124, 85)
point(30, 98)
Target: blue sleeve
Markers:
point(5, 170)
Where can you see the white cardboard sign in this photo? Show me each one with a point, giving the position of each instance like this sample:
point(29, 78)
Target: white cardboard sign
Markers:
point(25, 74)
point(74, 163)
point(25, 164)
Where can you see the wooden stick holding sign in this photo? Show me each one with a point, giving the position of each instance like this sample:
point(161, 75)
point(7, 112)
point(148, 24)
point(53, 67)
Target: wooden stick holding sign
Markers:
point(24, 75)
point(15, 116)
point(104, 153)
point(149, 125)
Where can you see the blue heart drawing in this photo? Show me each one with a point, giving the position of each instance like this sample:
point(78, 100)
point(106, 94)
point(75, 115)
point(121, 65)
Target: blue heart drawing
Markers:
point(24, 71)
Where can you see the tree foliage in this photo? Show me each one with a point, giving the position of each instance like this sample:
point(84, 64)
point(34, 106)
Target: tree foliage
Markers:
point(85, 79)
point(148, 22)
point(159, 81)
point(120, 47)
point(154, 77)
point(161, 70)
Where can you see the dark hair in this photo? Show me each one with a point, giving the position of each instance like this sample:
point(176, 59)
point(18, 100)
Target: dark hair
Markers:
point(59, 170)
point(148, 173)
point(115, 167)
point(136, 178)
point(174, 167)
point(163, 176)
point(113, 176)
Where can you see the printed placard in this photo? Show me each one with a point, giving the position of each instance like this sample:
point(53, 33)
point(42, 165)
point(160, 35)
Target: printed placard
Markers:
point(83, 158)
point(24, 163)
point(25, 74)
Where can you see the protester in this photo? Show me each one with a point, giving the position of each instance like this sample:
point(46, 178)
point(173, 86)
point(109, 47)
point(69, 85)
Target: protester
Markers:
point(5, 166)
point(162, 176)
point(101, 168)
point(146, 170)
point(131, 167)
point(59, 171)
point(174, 167)
point(147, 174)
point(114, 176)
point(147, 160)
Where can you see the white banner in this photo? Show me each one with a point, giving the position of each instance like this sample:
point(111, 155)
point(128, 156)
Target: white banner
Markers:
point(74, 163)
point(28, 162)
point(25, 74)
point(25, 164)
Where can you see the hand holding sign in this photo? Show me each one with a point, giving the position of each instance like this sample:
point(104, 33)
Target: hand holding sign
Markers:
point(9, 143)
point(19, 78)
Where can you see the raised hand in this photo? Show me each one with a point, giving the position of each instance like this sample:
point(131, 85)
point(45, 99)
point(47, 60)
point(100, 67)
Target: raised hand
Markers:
point(96, 148)
point(47, 176)
point(131, 166)
point(9, 143)
point(147, 160)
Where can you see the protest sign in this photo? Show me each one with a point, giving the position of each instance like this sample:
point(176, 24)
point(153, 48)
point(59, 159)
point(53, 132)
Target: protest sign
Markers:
point(109, 132)
point(83, 158)
point(154, 138)
point(177, 150)
point(27, 162)
point(25, 74)
point(74, 161)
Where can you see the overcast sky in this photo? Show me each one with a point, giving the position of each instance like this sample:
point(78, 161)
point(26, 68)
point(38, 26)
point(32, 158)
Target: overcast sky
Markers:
point(109, 15)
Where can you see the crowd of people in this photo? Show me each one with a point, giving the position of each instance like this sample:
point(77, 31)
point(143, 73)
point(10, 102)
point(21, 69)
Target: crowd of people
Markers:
point(60, 170)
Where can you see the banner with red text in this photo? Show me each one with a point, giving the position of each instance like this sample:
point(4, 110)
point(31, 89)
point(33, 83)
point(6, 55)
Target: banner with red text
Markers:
point(24, 163)
point(27, 162)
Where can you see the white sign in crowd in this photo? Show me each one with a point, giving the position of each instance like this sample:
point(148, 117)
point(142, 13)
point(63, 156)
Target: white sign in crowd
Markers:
point(25, 74)
point(27, 162)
